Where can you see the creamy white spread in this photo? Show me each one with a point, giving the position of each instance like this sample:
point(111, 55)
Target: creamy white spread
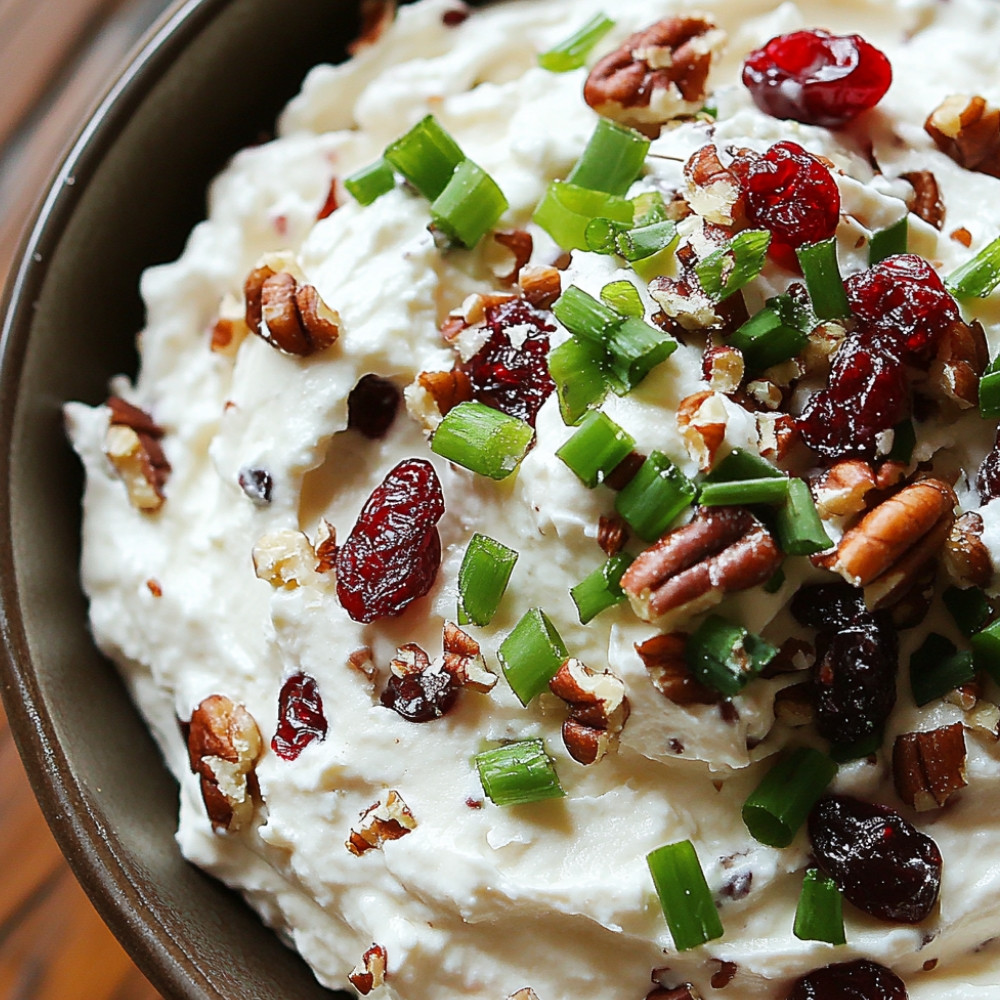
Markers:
point(482, 901)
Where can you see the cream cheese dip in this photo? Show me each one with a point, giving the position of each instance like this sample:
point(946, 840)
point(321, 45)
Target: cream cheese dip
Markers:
point(223, 502)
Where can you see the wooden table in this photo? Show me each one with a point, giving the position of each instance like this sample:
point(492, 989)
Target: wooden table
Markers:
point(56, 57)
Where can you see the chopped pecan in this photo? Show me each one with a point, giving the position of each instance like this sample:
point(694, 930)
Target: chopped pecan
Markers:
point(376, 16)
point(968, 130)
point(929, 767)
point(362, 659)
point(926, 202)
point(612, 534)
point(227, 334)
point(541, 286)
point(658, 74)
point(961, 358)
point(723, 369)
point(663, 657)
point(289, 316)
point(132, 444)
point(712, 190)
point(841, 489)
point(701, 419)
point(777, 434)
point(388, 819)
point(963, 236)
point(690, 569)
point(984, 717)
point(224, 745)
point(286, 559)
point(598, 709)
point(683, 300)
point(520, 243)
point(409, 659)
point(463, 659)
point(765, 393)
point(966, 556)
point(525, 993)
point(447, 389)
point(325, 547)
point(369, 973)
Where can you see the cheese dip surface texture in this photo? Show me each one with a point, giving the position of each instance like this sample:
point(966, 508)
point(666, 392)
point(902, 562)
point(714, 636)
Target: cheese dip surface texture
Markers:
point(730, 369)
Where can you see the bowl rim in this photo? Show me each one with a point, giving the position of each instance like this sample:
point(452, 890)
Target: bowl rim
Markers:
point(162, 956)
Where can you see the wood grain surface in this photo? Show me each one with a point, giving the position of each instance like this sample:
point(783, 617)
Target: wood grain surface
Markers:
point(56, 58)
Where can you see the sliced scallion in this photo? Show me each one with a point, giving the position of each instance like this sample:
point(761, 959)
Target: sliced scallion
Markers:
point(775, 583)
point(799, 527)
point(566, 210)
point(819, 915)
point(426, 156)
point(658, 492)
point(937, 668)
point(482, 439)
point(744, 491)
point(596, 448)
point(602, 234)
point(823, 280)
point(612, 159)
point(969, 608)
point(578, 369)
point(989, 391)
point(735, 265)
point(518, 773)
point(469, 206)
point(684, 895)
point(635, 348)
point(986, 648)
point(726, 656)
point(531, 655)
point(649, 207)
point(602, 588)
point(371, 182)
point(584, 316)
point(844, 753)
point(572, 53)
point(742, 464)
point(978, 277)
point(624, 298)
point(889, 242)
point(645, 241)
point(767, 339)
point(483, 578)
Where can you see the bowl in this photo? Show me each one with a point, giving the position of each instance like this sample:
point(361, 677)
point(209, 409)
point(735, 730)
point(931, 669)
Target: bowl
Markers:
point(209, 79)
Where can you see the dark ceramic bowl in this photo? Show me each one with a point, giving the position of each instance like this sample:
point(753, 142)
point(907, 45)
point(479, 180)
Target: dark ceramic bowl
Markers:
point(210, 79)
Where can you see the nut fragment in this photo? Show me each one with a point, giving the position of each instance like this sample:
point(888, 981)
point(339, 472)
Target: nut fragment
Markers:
point(966, 556)
point(464, 660)
point(409, 659)
point(447, 389)
point(520, 243)
point(929, 767)
point(968, 130)
point(224, 745)
point(841, 489)
point(690, 569)
point(612, 534)
point(701, 419)
point(541, 286)
point(656, 75)
point(525, 993)
point(723, 369)
point(684, 301)
point(598, 709)
point(369, 973)
point(927, 202)
point(961, 358)
point(663, 657)
point(325, 547)
point(289, 316)
point(286, 559)
point(712, 190)
point(132, 444)
point(388, 819)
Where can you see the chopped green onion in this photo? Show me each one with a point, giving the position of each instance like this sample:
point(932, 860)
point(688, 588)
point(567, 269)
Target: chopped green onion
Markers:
point(483, 578)
point(726, 656)
point(781, 802)
point(775, 583)
point(470, 206)
point(986, 649)
point(904, 440)
point(889, 242)
point(844, 753)
point(735, 265)
point(937, 668)
point(744, 491)
point(612, 160)
point(978, 277)
point(596, 448)
point(658, 492)
point(531, 655)
point(371, 182)
point(602, 588)
point(634, 349)
point(685, 899)
point(799, 527)
point(518, 773)
point(645, 241)
point(584, 316)
point(577, 368)
point(482, 439)
point(649, 207)
point(624, 298)
point(426, 156)
point(989, 391)
point(970, 609)
point(767, 339)
point(566, 210)
point(742, 464)
point(820, 913)
point(572, 53)
point(823, 280)
point(602, 234)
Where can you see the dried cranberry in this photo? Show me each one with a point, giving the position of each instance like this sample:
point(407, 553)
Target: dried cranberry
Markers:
point(881, 863)
point(817, 78)
point(825, 605)
point(514, 379)
point(392, 554)
point(372, 406)
point(858, 980)
point(300, 717)
point(988, 480)
point(421, 697)
point(903, 306)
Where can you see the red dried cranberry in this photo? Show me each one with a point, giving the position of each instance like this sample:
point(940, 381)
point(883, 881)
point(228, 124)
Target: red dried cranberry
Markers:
point(514, 379)
point(392, 554)
point(817, 78)
point(881, 863)
point(372, 406)
point(988, 480)
point(904, 306)
point(826, 605)
point(858, 980)
point(421, 697)
point(300, 717)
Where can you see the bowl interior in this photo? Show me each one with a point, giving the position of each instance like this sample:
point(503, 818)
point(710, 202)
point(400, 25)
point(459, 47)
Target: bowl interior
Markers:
point(210, 80)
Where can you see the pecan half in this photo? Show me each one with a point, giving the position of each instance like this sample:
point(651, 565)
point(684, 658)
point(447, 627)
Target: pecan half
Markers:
point(968, 130)
point(929, 767)
point(132, 444)
point(598, 709)
point(690, 569)
point(289, 316)
point(463, 659)
point(388, 819)
point(701, 419)
point(961, 358)
point(926, 202)
point(966, 556)
point(541, 286)
point(224, 745)
point(663, 657)
point(658, 74)
point(369, 973)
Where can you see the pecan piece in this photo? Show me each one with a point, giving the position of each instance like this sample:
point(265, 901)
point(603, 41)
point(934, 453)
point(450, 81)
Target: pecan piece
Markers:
point(690, 569)
point(929, 767)
point(289, 316)
point(598, 709)
point(968, 130)
point(410, 659)
point(387, 819)
point(132, 444)
point(712, 190)
point(656, 75)
point(325, 547)
point(966, 556)
point(841, 489)
point(286, 559)
point(369, 973)
point(447, 389)
point(541, 286)
point(926, 202)
point(520, 243)
point(663, 657)
point(701, 419)
point(463, 659)
point(224, 745)
point(961, 358)
point(723, 369)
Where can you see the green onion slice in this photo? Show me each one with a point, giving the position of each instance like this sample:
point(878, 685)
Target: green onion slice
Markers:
point(635, 348)
point(649, 207)
point(602, 234)
point(483, 578)
point(889, 242)
point(518, 773)
point(572, 53)
point(645, 241)
point(799, 527)
point(371, 182)
point(781, 802)
point(684, 895)
point(986, 648)
point(776, 582)
point(819, 915)
point(602, 588)
point(482, 439)
point(823, 280)
point(578, 369)
point(742, 464)
point(978, 277)
point(844, 753)
point(938, 668)
point(624, 298)
point(735, 265)
point(969, 608)
point(744, 491)
point(612, 159)
point(426, 156)
point(768, 337)
point(584, 316)
point(658, 492)
point(531, 655)
point(566, 210)
point(989, 391)
point(470, 205)
point(596, 448)
point(726, 656)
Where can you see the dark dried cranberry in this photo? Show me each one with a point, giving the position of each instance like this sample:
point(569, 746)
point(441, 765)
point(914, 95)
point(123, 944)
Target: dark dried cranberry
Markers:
point(257, 485)
point(825, 605)
point(988, 480)
point(858, 980)
point(300, 717)
point(392, 554)
point(881, 863)
point(817, 78)
point(513, 379)
point(867, 394)
point(372, 406)
point(456, 16)
point(421, 697)
point(793, 195)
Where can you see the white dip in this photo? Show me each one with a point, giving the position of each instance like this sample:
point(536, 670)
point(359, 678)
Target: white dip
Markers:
point(479, 900)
